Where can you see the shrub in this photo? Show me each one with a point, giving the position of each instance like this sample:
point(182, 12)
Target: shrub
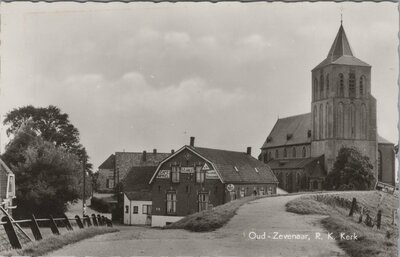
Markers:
point(100, 205)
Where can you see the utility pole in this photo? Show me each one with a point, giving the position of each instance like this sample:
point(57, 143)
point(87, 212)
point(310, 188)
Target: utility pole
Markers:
point(84, 181)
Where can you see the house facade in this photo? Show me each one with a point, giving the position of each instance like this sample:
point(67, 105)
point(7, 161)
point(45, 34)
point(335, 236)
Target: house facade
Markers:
point(343, 114)
point(7, 187)
point(195, 179)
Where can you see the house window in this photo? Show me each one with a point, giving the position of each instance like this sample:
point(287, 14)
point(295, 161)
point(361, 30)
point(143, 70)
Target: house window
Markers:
point(242, 192)
point(294, 152)
point(261, 191)
point(135, 209)
point(146, 209)
point(270, 190)
point(11, 185)
point(110, 183)
point(200, 174)
point(203, 201)
point(126, 208)
point(341, 85)
point(352, 84)
point(171, 203)
point(175, 173)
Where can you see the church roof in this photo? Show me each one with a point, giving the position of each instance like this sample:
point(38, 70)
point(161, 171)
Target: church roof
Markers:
point(341, 53)
point(291, 130)
point(312, 165)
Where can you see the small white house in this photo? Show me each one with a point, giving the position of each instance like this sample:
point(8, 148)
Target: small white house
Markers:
point(137, 208)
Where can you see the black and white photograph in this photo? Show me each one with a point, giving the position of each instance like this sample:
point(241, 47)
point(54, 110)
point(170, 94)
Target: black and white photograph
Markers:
point(259, 129)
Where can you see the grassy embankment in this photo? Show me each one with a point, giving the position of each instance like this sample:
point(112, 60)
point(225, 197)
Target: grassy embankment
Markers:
point(371, 241)
point(212, 219)
point(53, 242)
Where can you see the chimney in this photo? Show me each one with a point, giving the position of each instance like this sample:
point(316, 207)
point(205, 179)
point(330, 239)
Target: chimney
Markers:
point(154, 151)
point(172, 151)
point(249, 150)
point(192, 141)
point(144, 157)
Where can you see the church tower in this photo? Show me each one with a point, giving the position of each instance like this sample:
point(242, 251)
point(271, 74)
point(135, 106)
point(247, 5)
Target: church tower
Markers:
point(343, 110)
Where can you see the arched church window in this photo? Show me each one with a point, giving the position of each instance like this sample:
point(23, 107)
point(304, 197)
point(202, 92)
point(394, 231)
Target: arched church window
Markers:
point(327, 85)
point(352, 84)
point(379, 165)
point(341, 85)
point(321, 86)
point(276, 154)
point(363, 121)
point(269, 156)
point(294, 152)
point(340, 120)
point(362, 82)
point(321, 122)
point(352, 121)
point(329, 118)
point(304, 152)
point(284, 153)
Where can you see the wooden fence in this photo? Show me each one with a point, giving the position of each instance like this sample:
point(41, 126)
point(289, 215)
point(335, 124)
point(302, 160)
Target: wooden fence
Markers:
point(15, 236)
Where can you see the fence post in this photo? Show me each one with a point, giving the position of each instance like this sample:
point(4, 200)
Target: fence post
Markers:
point(35, 229)
point(53, 226)
point(87, 218)
point(361, 215)
point(109, 222)
point(11, 234)
point(353, 206)
point(99, 220)
point(79, 221)
point(103, 219)
point(94, 220)
point(378, 219)
point(67, 223)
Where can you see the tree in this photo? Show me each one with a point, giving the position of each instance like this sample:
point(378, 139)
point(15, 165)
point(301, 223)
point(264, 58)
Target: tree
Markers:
point(351, 171)
point(50, 124)
point(47, 179)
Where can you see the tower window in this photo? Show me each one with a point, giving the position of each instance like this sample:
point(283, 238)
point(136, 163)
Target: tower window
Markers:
point(269, 156)
point(284, 153)
point(352, 84)
point(276, 154)
point(327, 85)
point(321, 86)
point(315, 95)
point(361, 85)
point(379, 165)
point(304, 152)
point(294, 152)
point(341, 85)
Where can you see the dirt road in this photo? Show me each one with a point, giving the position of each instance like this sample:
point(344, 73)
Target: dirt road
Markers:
point(264, 218)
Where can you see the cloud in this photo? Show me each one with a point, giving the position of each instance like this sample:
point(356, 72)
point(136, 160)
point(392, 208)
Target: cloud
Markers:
point(256, 41)
point(180, 39)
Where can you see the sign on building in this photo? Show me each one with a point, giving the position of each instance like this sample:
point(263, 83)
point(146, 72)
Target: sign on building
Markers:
point(163, 174)
point(187, 170)
point(211, 174)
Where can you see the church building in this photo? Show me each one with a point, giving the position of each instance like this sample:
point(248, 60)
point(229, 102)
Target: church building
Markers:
point(302, 149)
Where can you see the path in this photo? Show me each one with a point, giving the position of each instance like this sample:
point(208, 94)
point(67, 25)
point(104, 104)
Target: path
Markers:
point(263, 215)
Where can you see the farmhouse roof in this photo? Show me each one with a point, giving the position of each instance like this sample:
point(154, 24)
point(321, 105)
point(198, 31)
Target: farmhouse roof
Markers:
point(137, 158)
point(312, 165)
point(341, 53)
point(109, 163)
point(290, 131)
point(139, 196)
point(237, 167)
point(138, 179)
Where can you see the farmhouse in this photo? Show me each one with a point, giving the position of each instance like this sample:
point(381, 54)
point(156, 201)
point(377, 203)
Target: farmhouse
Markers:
point(302, 149)
point(115, 168)
point(195, 179)
point(7, 187)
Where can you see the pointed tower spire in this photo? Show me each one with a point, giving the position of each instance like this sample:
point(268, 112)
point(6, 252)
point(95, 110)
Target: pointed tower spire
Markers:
point(340, 46)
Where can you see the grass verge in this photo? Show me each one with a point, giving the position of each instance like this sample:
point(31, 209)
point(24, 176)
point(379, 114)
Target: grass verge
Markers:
point(53, 242)
point(212, 219)
point(371, 242)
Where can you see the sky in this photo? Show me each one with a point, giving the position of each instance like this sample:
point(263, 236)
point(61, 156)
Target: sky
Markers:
point(140, 76)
